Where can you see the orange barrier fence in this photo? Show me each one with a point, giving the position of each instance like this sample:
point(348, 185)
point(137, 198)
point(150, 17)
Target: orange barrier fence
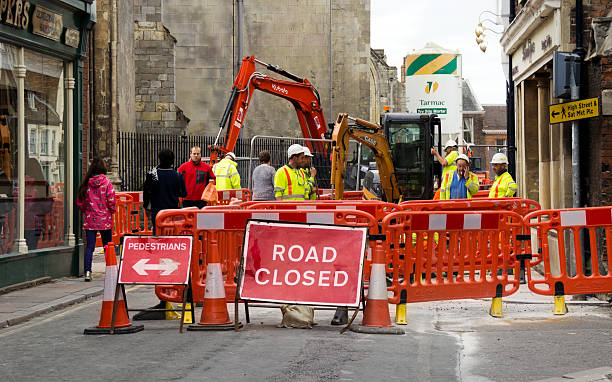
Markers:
point(129, 218)
point(226, 227)
point(326, 194)
point(519, 205)
point(567, 268)
point(225, 196)
point(454, 255)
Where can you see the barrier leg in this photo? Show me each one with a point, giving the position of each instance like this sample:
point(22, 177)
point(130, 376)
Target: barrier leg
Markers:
point(341, 316)
point(400, 310)
point(496, 302)
point(560, 306)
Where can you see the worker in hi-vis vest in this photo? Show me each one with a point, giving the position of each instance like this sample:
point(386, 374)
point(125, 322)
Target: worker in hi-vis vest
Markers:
point(226, 173)
point(449, 161)
point(290, 182)
point(461, 183)
point(503, 186)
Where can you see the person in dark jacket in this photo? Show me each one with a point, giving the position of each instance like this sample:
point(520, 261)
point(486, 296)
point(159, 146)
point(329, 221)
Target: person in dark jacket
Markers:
point(163, 186)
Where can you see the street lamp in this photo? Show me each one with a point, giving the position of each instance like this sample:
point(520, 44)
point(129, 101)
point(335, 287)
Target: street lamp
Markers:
point(480, 30)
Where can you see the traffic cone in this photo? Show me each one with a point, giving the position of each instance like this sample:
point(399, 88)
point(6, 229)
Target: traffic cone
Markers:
point(377, 307)
point(214, 313)
point(122, 321)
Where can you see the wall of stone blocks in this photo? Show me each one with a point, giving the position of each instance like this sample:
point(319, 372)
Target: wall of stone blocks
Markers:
point(289, 33)
point(385, 88)
point(154, 61)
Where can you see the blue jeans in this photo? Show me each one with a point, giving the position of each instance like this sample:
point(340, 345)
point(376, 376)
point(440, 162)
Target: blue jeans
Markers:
point(90, 237)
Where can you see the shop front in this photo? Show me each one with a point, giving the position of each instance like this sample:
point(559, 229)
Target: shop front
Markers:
point(42, 50)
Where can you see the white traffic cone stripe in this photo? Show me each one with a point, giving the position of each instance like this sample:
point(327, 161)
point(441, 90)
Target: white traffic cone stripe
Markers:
point(378, 284)
point(214, 281)
point(110, 283)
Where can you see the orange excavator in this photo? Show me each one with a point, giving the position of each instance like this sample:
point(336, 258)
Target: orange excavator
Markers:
point(296, 90)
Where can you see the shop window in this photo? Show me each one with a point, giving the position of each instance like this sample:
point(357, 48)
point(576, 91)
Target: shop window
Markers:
point(8, 157)
point(44, 206)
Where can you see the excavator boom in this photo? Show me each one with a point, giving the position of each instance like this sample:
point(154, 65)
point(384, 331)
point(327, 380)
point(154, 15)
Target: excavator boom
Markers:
point(297, 90)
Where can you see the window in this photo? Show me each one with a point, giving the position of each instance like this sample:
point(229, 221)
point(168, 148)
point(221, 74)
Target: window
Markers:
point(468, 130)
point(44, 142)
point(500, 142)
point(33, 140)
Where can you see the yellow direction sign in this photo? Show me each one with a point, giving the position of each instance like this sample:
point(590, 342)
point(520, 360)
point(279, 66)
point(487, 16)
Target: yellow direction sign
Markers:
point(569, 111)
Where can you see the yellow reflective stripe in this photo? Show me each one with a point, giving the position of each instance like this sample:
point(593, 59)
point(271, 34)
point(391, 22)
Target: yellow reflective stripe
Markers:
point(292, 196)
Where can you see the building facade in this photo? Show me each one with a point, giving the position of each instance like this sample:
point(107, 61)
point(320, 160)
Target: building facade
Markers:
point(43, 91)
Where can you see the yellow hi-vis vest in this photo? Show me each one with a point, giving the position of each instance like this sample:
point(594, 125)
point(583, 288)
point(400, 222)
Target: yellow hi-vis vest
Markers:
point(227, 175)
point(311, 190)
point(290, 183)
point(471, 185)
point(503, 186)
point(451, 163)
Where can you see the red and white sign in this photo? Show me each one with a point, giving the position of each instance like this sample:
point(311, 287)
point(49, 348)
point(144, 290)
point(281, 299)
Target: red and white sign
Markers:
point(155, 260)
point(301, 263)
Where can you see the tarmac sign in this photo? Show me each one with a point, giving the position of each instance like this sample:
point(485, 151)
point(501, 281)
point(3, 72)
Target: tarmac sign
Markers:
point(155, 260)
point(569, 111)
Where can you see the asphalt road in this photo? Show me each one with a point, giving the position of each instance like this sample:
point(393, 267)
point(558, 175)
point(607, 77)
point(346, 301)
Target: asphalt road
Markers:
point(445, 341)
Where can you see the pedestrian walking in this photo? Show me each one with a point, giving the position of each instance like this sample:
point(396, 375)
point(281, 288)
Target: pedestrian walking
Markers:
point(263, 178)
point(460, 183)
point(163, 186)
point(96, 199)
point(290, 182)
point(449, 161)
point(503, 186)
point(227, 174)
point(196, 175)
point(310, 173)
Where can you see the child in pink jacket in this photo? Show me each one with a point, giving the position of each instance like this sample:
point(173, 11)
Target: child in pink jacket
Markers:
point(96, 199)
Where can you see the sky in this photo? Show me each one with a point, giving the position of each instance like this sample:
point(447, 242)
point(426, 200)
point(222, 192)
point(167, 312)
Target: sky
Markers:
point(399, 26)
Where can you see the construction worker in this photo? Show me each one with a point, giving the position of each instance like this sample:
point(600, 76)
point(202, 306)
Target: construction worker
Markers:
point(310, 173)
point(503, 186)
point(460, 183)
point(290, 182)
point(226, 173)
point(449, 161)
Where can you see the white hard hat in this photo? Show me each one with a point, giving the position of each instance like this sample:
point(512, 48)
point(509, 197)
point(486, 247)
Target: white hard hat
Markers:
point(449, 143)
point(231, 155)
point(499, 158)
point(294, 149)
point(464, 157)
point(307, 152)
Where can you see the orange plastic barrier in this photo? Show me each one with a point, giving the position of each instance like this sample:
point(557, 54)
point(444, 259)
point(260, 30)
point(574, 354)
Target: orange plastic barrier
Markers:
point(454, 255)
point(326, 194)
point(129, 218)
point(519, 205)
point(226, 227)
point(589, 228)
point(225, 196)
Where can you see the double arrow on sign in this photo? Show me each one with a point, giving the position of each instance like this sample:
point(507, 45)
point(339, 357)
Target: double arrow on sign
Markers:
point(167, 266)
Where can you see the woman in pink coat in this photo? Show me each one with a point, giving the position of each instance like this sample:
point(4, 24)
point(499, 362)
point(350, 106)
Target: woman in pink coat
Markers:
point(96, 199)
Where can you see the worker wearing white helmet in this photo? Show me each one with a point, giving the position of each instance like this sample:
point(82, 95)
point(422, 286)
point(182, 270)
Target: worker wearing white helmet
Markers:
point(290, 182)
point(449, 161)
point(226, 173)
point(460, 183)
point(503, 186)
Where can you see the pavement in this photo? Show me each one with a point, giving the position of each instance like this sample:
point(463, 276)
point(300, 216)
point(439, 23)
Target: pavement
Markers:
point(46, 295)
point(23, 302)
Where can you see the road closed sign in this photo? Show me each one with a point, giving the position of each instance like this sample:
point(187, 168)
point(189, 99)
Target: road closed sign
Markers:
point(155, 260)
point(302, 263)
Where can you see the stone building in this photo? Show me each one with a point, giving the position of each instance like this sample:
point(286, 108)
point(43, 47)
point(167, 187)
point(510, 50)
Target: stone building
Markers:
point(387, 93)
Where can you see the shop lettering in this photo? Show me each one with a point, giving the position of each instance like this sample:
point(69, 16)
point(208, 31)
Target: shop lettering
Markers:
point(15, 13)
point(291, 277)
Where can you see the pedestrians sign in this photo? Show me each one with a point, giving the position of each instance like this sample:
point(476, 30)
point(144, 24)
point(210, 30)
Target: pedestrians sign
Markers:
point(155, 260)
point(302, 263)
point(570, 111)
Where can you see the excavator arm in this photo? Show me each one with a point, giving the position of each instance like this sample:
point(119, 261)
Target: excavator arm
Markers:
point(371, 135)
point(298, 91)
